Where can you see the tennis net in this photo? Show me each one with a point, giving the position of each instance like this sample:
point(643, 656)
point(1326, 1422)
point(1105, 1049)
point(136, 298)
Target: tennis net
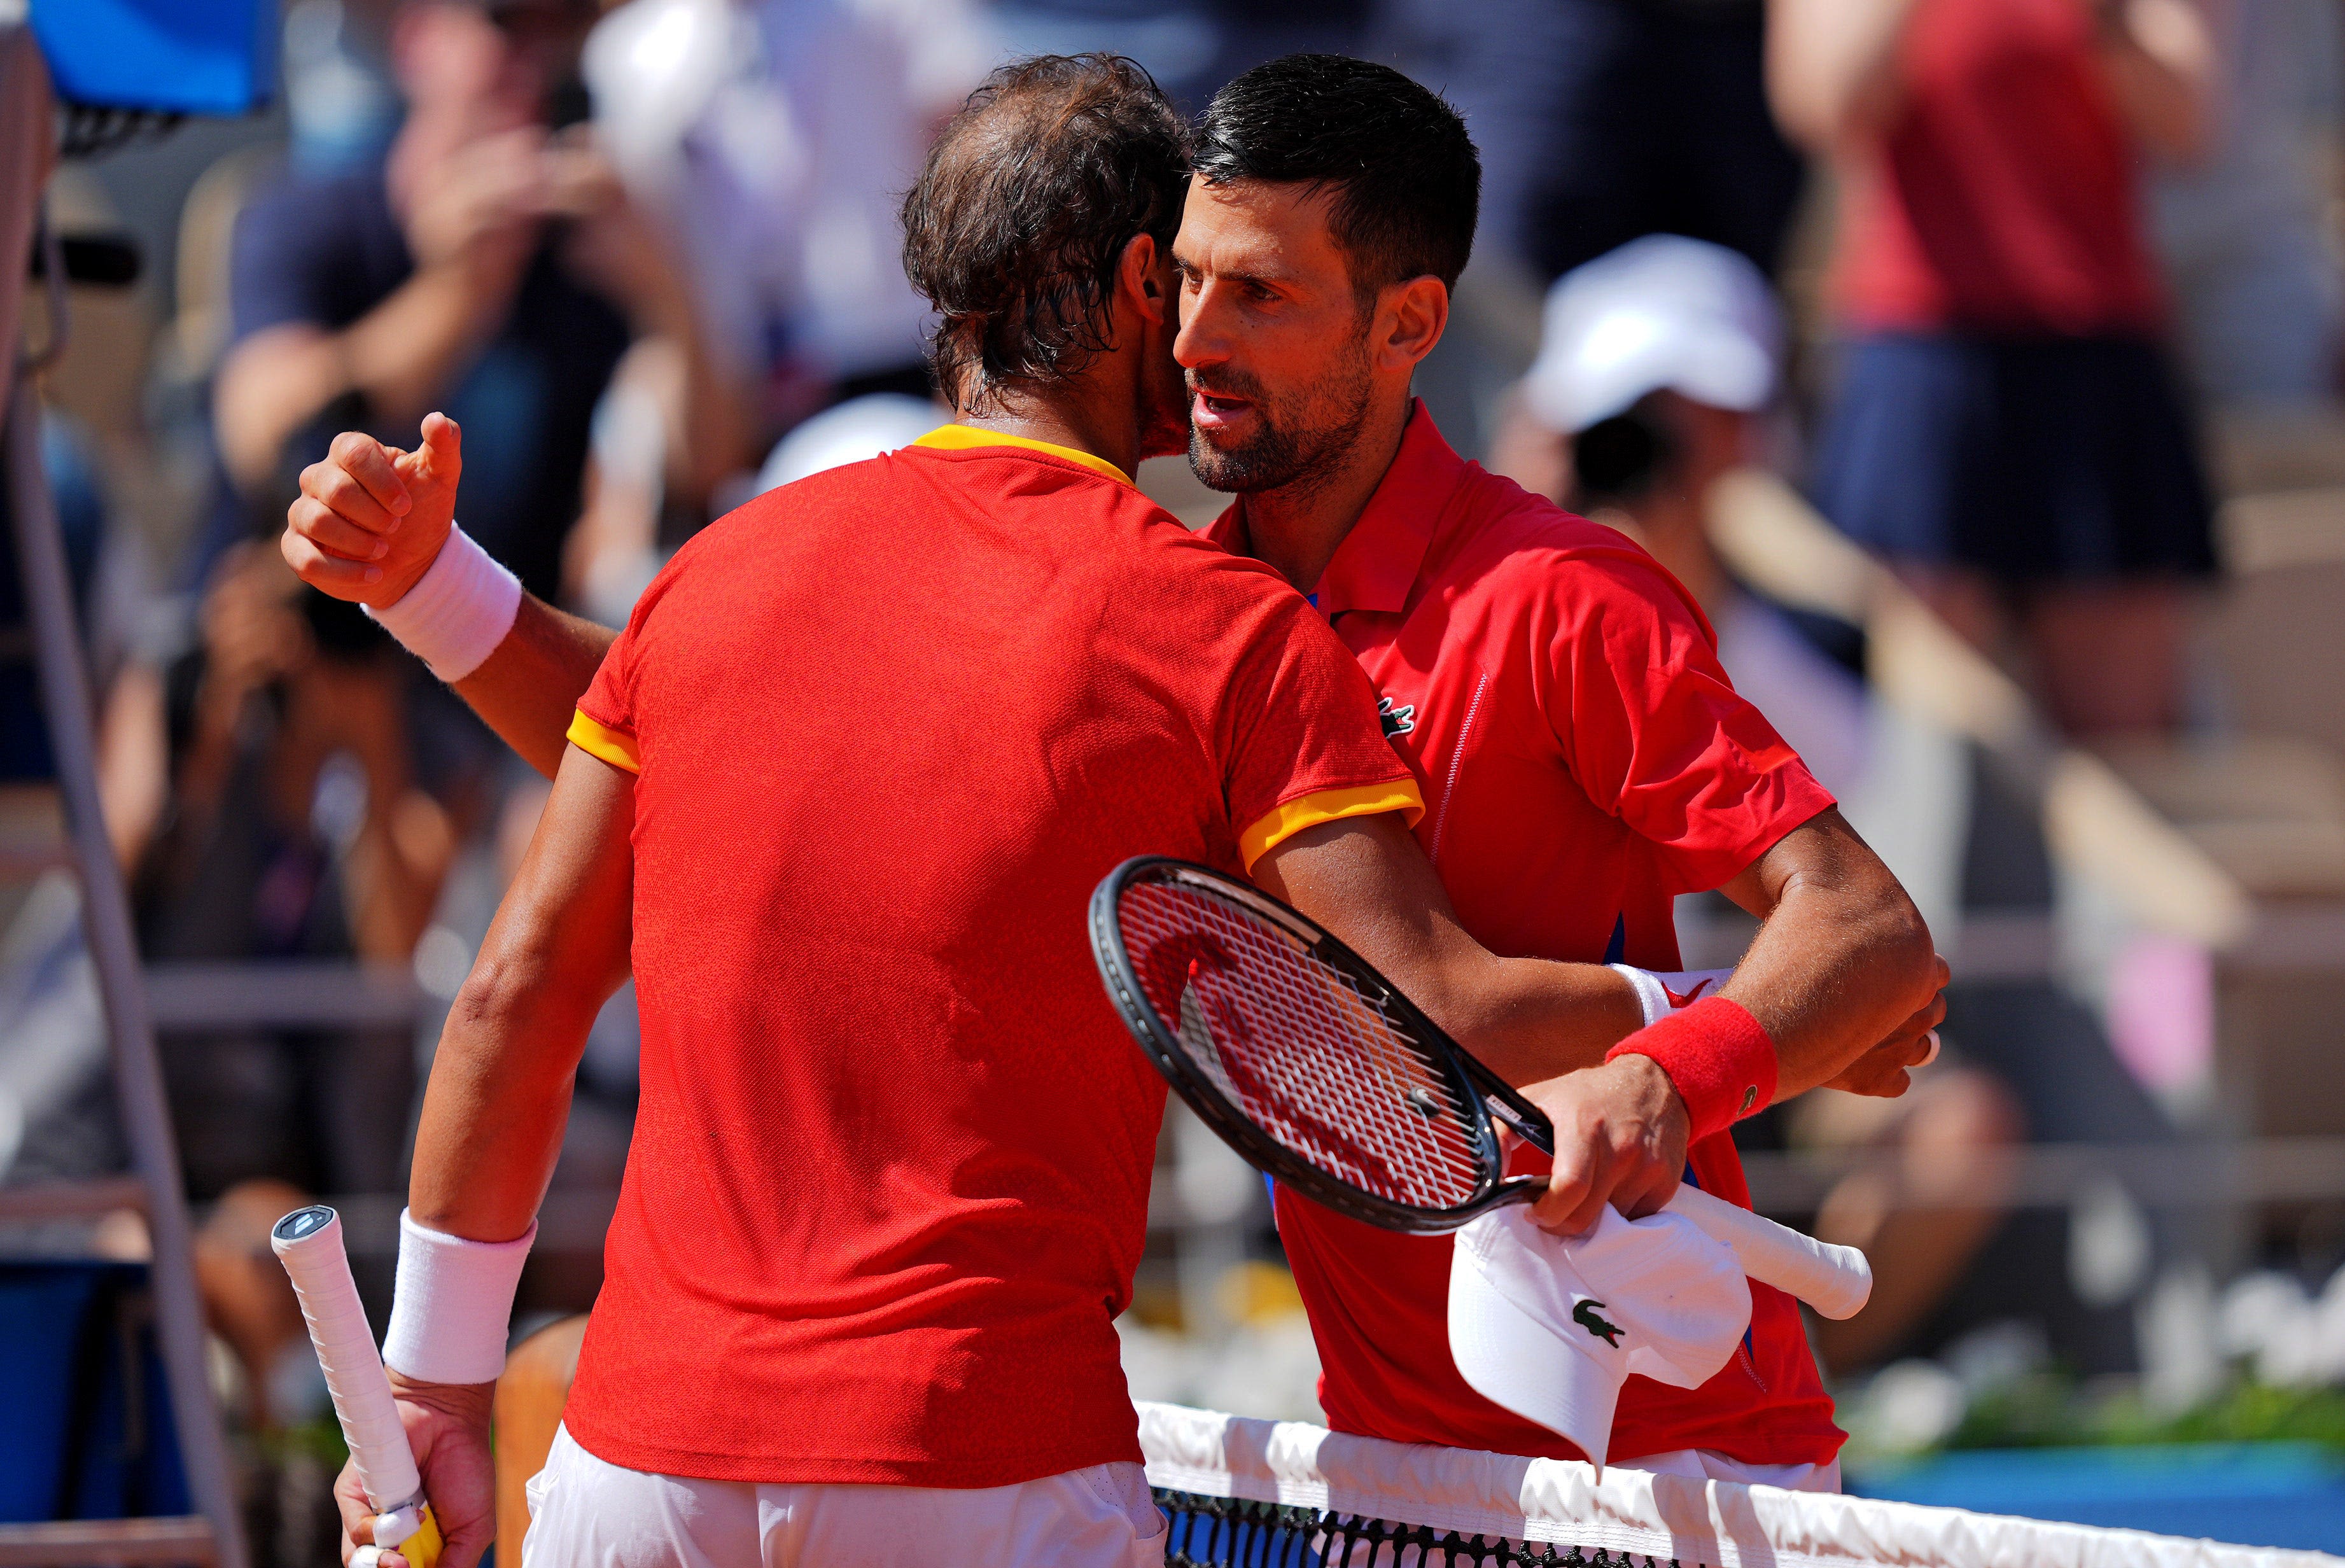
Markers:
point(1242, 1493)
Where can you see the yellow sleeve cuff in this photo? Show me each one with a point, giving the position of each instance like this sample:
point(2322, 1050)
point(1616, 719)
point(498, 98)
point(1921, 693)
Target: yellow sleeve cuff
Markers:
point(597, 740)
point(1325, 806)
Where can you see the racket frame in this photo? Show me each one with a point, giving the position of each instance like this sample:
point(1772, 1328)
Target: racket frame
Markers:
point(1487, 1099)
point(1835, 1280)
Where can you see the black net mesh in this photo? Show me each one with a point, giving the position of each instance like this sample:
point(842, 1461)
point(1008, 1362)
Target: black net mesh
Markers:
point(1337, 1078)
point(1235, 1532)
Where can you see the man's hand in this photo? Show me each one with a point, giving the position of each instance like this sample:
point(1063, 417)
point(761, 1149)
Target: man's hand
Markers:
point(371, 518)
point(1884, 1071)
point(1620, 1138)
point(448, 1427)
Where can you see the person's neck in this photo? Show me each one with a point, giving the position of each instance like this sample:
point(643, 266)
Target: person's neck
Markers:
point(1297, 528)
point(1073, 414)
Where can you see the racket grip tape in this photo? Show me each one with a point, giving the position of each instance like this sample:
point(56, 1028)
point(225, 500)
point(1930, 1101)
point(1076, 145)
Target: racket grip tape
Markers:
point(1837, 1281)
point(308, 1242)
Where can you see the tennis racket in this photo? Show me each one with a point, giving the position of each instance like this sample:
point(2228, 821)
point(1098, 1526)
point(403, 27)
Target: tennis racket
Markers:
point(309, 1242)
point(1316, 1069)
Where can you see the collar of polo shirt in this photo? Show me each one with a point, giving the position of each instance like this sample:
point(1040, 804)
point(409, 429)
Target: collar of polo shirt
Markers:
point(1379, 560)
point(968, 438)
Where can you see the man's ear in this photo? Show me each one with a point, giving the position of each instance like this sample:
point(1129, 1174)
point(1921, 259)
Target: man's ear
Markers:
point(1144, 278)
point(1413, 314)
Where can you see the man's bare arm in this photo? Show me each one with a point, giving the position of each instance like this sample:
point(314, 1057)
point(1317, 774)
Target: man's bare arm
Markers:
point(1620, 1127)
point(527, 689)
point(371, 519)
point(495, 1108)
point(1842, 975)
point(1833, 68)
point(500, 1089)
point(1367, 880)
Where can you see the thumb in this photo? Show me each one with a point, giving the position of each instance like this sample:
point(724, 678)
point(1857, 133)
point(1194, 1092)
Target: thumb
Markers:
point(441, 459)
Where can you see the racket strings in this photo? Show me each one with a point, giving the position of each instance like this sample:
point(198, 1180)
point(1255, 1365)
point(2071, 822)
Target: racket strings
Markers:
point(1326, 1069)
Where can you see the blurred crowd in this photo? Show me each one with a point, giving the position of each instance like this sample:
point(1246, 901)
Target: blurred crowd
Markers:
point(1973, 280)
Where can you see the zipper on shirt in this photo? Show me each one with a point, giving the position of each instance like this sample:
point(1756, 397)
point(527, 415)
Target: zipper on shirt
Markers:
point(1456, 760)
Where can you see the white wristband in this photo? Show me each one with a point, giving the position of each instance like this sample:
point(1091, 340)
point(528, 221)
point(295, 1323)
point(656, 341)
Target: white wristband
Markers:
point(1662, 995)
point(451, 1304)
point(459, 610)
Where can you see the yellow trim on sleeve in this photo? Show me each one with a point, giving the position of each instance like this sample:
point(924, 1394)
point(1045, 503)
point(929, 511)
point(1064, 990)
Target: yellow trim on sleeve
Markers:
point(967, 438)
point(598, 739)
point(1326, 806)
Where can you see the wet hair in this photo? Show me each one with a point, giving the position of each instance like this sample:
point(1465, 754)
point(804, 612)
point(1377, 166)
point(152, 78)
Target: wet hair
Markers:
point(1407, 182)
point(1024, 209)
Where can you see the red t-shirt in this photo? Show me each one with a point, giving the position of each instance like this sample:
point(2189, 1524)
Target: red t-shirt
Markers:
point(1585, 759)
point(2002, 197)
point(891, 726)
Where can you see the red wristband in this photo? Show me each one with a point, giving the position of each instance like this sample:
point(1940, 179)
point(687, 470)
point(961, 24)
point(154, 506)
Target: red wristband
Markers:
point(1721, 1062)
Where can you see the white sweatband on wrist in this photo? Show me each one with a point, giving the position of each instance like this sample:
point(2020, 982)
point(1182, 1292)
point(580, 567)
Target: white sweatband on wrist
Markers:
point(451, 1304)
point(1662, 993)
point(459, 610)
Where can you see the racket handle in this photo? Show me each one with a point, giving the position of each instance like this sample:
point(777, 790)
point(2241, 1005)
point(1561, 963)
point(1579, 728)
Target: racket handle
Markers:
point(309, 1241)
point(1834, 1280)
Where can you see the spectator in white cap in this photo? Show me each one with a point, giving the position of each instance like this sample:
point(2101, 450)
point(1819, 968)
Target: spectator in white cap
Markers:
point(1659, 364)
point(1658, 370)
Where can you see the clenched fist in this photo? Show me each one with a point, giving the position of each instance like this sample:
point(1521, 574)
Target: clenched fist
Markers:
point(371, 518)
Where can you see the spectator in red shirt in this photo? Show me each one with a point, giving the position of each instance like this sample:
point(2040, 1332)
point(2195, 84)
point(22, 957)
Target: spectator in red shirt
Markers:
point(1584, 757)
point(2006, 428)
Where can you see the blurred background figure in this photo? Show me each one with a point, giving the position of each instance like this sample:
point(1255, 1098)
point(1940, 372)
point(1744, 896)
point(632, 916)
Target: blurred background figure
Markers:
point(2241, 228)
point(2003, 423)
point(776, 137)
point(489, 264)
point(296, 832)
point(1659, 365)
point(1598, 121)
point(1602, 120)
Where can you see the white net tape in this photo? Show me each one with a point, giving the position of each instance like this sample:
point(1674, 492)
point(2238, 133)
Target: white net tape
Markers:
point(1568, 1517)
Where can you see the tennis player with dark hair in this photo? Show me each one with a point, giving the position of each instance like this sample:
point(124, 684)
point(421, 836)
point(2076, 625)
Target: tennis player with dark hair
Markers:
point(1584, 757)
point(839, 808)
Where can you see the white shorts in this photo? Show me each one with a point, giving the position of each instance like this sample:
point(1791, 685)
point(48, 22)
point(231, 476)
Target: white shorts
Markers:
point(586, 1513)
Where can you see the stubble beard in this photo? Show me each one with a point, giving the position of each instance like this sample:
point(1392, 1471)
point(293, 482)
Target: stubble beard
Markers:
point(1296, 446)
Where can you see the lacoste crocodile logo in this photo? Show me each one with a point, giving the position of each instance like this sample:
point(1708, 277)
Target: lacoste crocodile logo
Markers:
point(1396, 720)
point(1586, 1314)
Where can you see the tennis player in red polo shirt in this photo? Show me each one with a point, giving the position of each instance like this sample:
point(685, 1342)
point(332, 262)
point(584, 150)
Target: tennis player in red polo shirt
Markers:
point(838, 796)
point(1583, 755)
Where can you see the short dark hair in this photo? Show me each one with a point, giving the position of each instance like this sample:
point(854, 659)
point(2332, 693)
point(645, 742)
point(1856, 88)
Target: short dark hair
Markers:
point(1407, 178)
point(1024, 208)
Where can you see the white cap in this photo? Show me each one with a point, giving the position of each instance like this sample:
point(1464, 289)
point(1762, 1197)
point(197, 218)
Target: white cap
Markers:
point(1663, 312)
point(1550, 1326)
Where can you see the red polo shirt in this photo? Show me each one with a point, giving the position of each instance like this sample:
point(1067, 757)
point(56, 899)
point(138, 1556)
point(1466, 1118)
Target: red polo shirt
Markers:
point(1584, 760)
point(890, 726)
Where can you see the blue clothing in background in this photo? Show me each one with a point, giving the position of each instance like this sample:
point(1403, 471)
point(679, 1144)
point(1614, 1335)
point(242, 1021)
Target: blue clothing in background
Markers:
point(325, 252)
point(1600, 121)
